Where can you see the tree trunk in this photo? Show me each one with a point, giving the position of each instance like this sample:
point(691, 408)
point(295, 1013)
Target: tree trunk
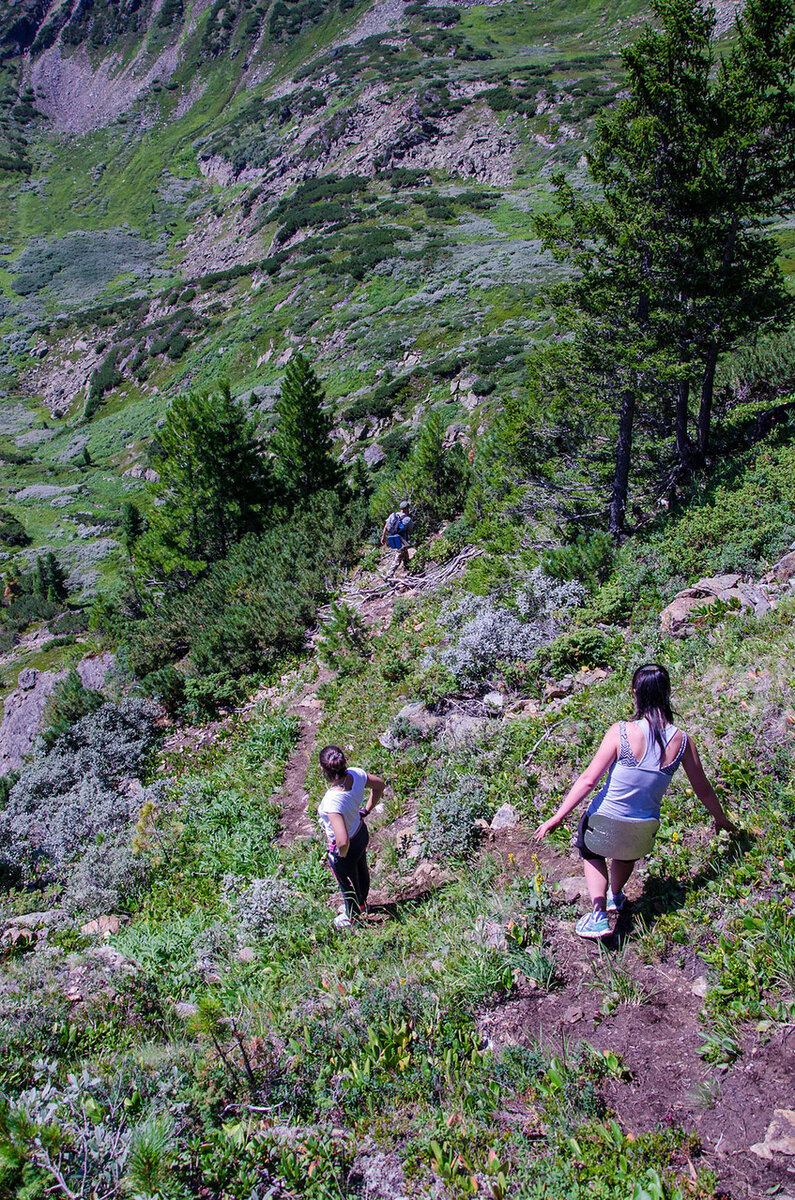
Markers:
point(618, 499)
point(684, 447)
point(705, 408)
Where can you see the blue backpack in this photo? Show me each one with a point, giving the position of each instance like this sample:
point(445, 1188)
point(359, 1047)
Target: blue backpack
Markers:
point(395, 528)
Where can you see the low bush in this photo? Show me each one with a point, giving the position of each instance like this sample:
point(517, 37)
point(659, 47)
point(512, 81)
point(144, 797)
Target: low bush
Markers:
point(449, 809)
point(73, 794)
point(485, 632)
point(12, 531)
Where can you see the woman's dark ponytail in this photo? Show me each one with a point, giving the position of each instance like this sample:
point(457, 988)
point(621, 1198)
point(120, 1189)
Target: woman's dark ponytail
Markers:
point(651, 686)
point(333, 763)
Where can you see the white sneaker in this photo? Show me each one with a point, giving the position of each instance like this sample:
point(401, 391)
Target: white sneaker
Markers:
point(615, 903)
point(342, 921)
point(341, 908)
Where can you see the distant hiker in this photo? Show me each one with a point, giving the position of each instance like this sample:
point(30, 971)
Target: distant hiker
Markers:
point(640, 757)
point(341, 813)
point(396, 532)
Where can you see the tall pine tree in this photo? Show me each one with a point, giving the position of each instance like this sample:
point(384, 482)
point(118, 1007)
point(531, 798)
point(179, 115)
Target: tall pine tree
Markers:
point(301, 443)
point(673, 264)
point(214, 485)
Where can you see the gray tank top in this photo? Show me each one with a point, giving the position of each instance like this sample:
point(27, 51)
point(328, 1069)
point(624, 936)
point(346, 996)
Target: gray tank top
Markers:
point(635, 787)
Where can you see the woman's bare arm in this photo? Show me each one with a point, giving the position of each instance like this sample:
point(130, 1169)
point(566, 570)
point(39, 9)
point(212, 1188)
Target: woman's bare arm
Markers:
point(340, 834)
point(376, 787)
point(604, 758)
point(703, 788)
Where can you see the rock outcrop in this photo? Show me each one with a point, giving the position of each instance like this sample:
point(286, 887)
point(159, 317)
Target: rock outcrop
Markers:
point(24, 707)
point(677, 619)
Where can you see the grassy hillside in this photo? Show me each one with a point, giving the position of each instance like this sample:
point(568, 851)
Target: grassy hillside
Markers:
point(195, 192)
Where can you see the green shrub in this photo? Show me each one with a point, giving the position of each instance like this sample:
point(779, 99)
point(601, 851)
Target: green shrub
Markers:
point(12, 531)
point(588, 558)
point(583, 648)
point(451, 806)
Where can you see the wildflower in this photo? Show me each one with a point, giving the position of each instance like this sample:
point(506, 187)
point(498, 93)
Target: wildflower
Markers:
point(675, 836)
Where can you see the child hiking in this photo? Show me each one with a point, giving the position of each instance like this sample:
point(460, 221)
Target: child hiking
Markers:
point(395, 534)
point(641, 757)
point(341, 813)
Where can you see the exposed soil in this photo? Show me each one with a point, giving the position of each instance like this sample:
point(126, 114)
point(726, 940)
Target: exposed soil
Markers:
point(658, 1040)
point(296, 821)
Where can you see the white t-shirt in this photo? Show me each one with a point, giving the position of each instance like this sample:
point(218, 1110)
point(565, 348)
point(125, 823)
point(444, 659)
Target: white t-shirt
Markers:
point(347, 803)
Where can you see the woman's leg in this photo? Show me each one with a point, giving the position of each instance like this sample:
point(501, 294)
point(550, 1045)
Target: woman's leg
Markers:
point(620, 871)
point(360, 874)
point(340, 869)
point(596, 878)
point(362, 880)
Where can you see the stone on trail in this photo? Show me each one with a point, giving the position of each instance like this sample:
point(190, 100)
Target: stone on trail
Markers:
point(105, 925)
point(572, 887)
point(780, 1136)
point(505, 817)
point(560, 689)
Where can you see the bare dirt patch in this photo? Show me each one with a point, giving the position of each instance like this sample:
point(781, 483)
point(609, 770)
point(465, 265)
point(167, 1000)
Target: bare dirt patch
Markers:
point(658, 1038)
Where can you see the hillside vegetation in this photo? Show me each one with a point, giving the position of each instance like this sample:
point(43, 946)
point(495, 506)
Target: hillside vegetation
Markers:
point(266, 269)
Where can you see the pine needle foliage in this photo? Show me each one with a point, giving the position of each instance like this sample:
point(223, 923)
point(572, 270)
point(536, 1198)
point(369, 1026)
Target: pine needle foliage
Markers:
point(214, 484)
point(301, 444)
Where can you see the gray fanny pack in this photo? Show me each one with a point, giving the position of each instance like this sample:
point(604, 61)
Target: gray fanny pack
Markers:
point(611, 838)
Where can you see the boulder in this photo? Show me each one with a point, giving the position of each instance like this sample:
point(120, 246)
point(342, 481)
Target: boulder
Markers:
point(522, 710)
point(38, 920)
point(24, 707)
point(559, 689)
point(506, 817)
point(782, 571)
point(374, 456)
point(780, 1136)
point(675, 619)
point(490, 933)
point(419, 717)
point(103, 926)
point(463, 728)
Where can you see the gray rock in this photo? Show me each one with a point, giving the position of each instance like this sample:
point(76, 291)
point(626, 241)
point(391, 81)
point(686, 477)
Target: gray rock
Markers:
point(419, 717)
point(675, 619)
point(559, 689)
point(494, 700)
point(26, 679)
point(38, 920)
point(24, 707)
point(463, 728)
point(572, 887)
point(490, 933)
point(506, 817)
point(374, 456)
point(782, 571)
point(780, 1136)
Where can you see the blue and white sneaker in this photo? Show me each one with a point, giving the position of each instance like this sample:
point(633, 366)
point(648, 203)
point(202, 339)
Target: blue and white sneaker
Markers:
point(615, 903)
point(593, 925)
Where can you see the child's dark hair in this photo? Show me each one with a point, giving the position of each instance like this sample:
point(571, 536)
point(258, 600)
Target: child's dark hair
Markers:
point(333, 763)
point(651, 685)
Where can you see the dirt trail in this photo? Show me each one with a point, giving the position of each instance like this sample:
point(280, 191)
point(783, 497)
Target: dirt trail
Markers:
point(658, 1033)
point(297, 823)
point(298, 820)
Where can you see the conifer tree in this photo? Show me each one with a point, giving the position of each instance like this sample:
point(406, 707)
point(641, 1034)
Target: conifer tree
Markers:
point(131, 524)
point(301, 443)
point(214, 484)
point(673, 263)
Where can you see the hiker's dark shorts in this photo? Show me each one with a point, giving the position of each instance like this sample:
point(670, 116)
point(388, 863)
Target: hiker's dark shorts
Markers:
point(578, 841)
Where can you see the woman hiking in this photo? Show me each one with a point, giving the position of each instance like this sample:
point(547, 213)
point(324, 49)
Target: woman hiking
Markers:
point(341, 813)
point(641, 757)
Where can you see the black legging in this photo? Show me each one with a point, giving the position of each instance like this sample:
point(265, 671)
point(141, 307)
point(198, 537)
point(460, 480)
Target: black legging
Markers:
point(352, 873)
